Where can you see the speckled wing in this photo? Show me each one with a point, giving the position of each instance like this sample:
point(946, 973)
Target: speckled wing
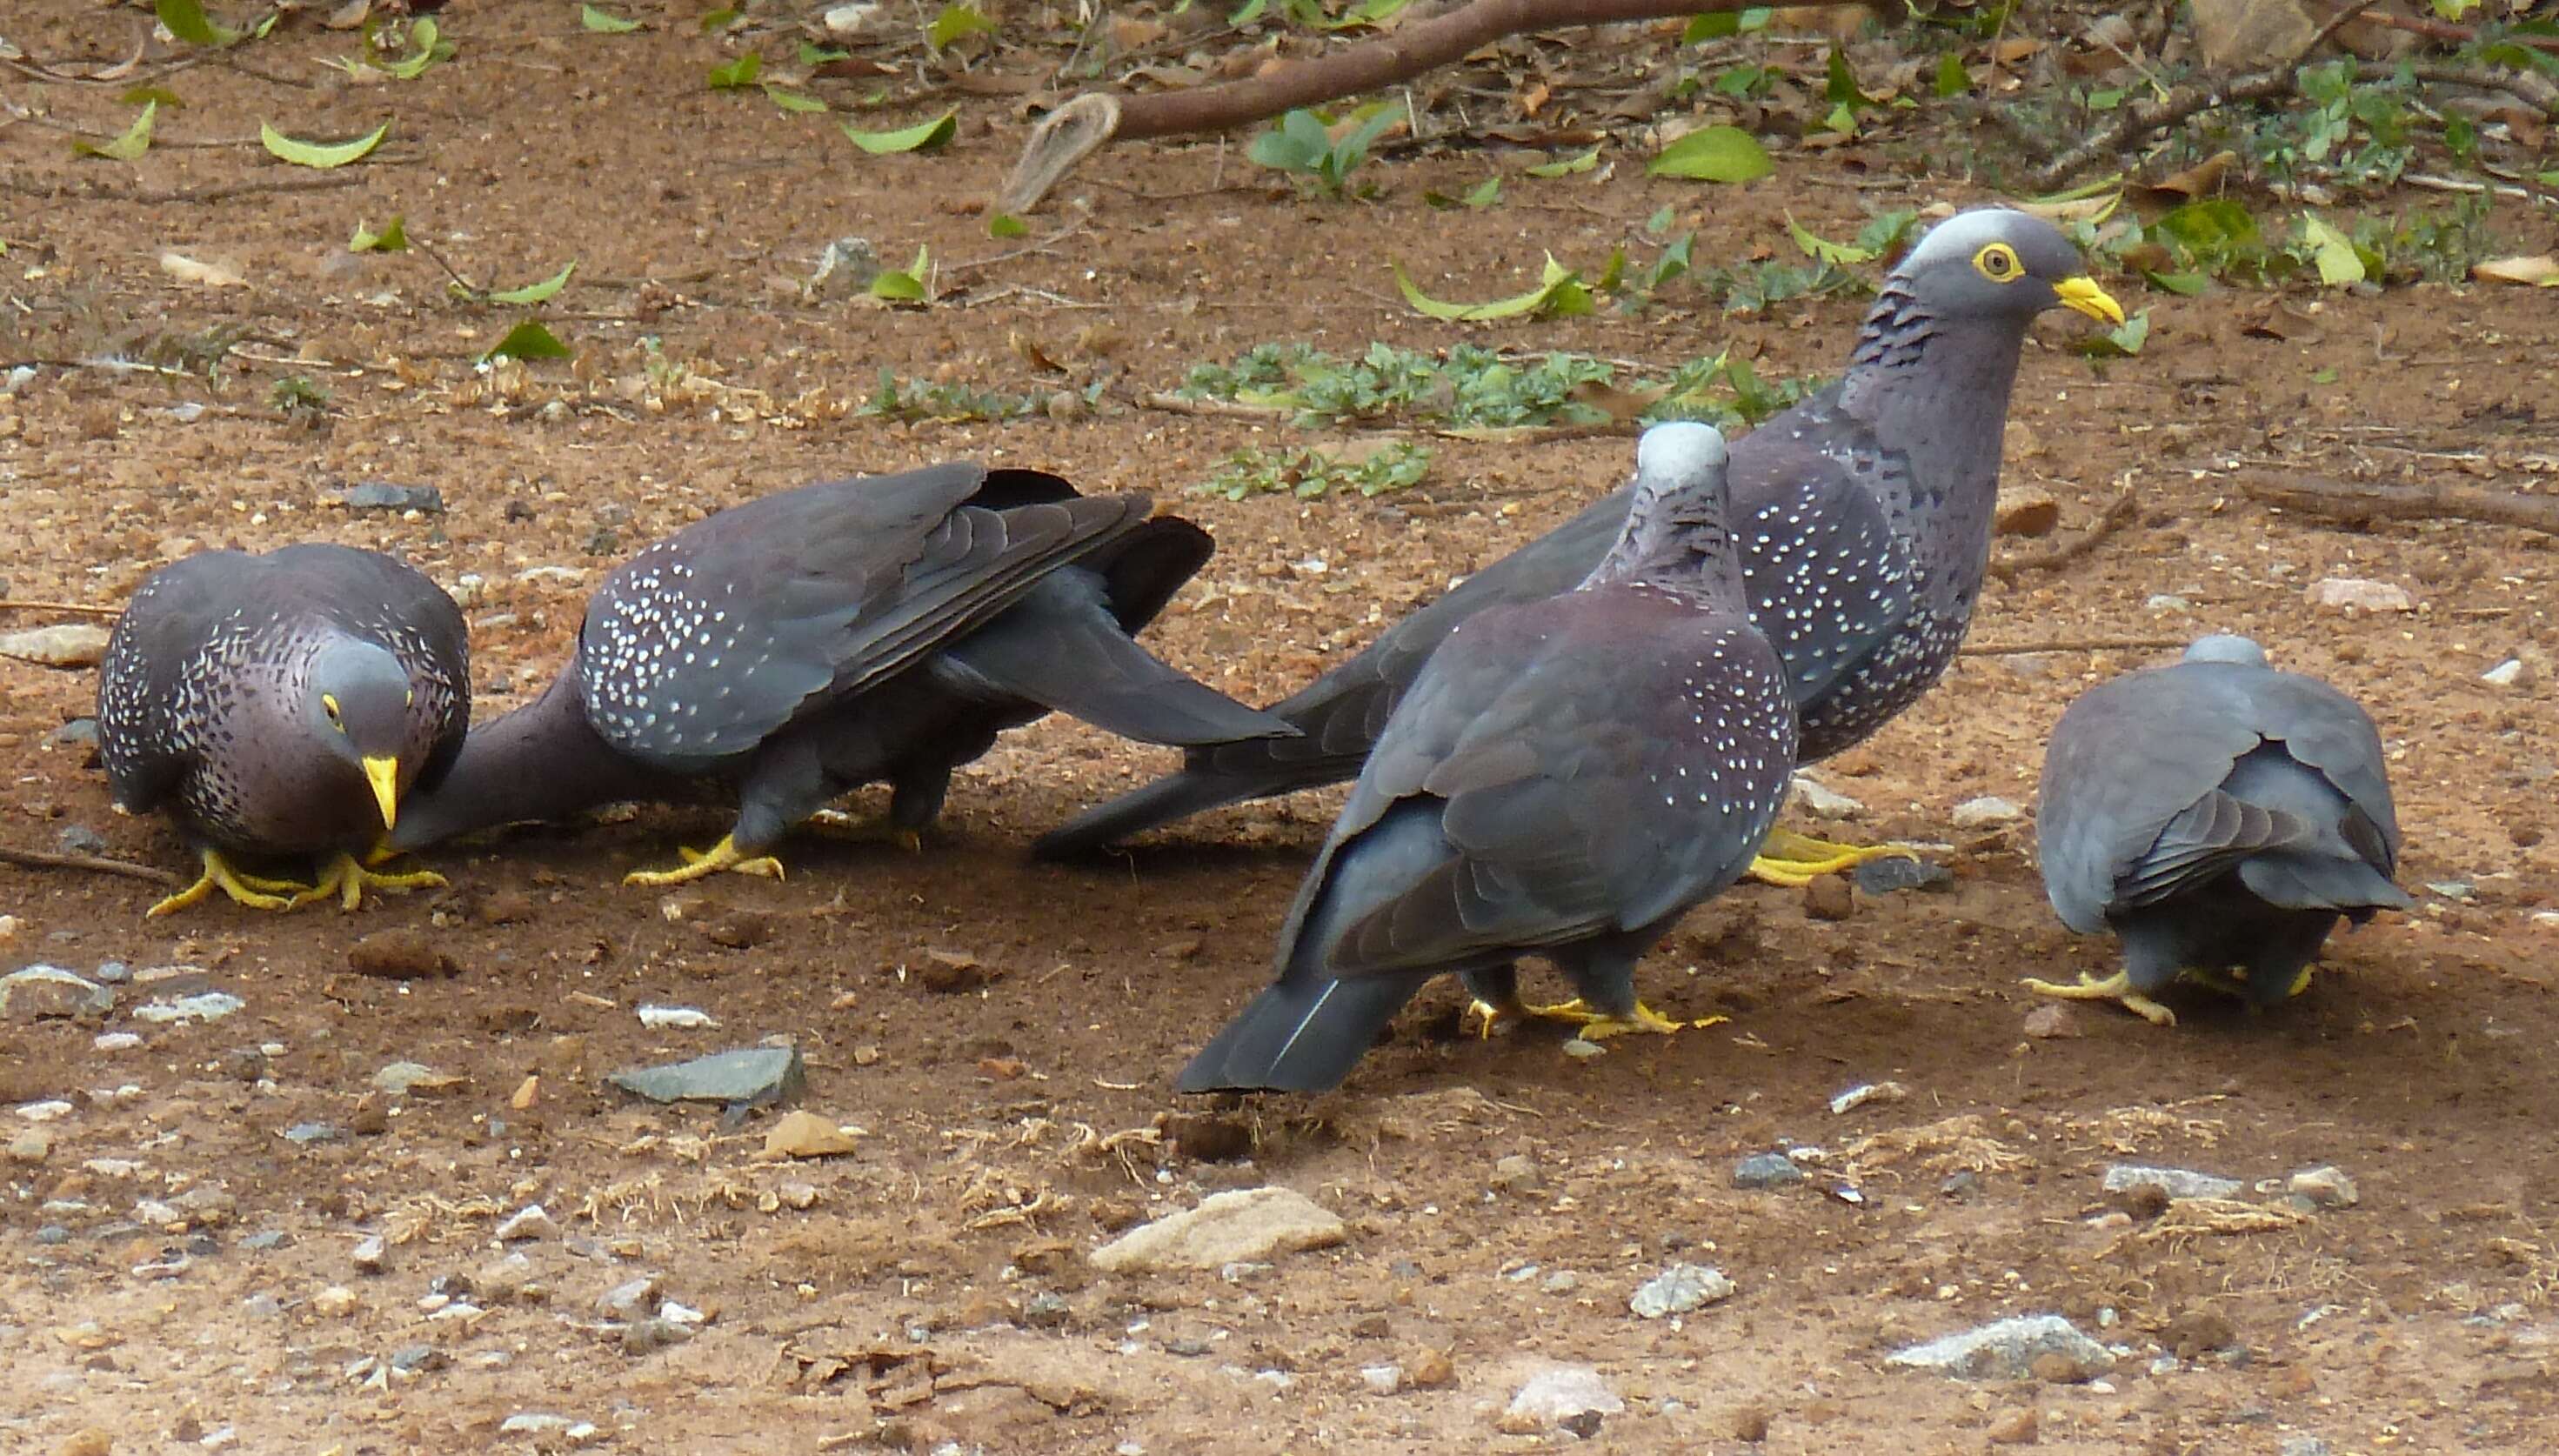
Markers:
point(701, 647)
point(153, 644)
point(2133, 807)
point(1572, 804)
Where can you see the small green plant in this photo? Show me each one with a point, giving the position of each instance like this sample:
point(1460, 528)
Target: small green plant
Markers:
point(1306, 474)
point(1304, 146)
point(300, 400)
point(915, 399)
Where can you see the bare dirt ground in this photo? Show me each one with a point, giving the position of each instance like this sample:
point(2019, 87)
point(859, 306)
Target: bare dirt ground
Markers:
point(179, 1271)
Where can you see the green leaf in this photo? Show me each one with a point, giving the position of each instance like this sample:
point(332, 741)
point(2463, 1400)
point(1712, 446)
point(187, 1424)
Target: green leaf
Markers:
point(957, 23)
point(186, 19)
point(1822, 250)
point(739, 74)
point(1673, 262)
point(718, 20)
point(2119, 342)
point(2185, 286)
point(142, 95)
point(892, 286)
point(430, 48)
point(1952, 79)
point(924, 136)
point(1661, 220)
point(605, 22)
point(1842, 119)
point(532, 293)
point(1298, 143)
point(392, 239)
point(1567, 166)
point(128, 147)
point(1005, 224)
point(528, 340)
point(1715, 154)
point(2210, 227)
point(1717, 25)
point(1559, 294)
point(1485, 193)
point(1841, 88)
point(322, 155)
point(793, 101)
point(2333, 252)
point(1251, 12)
point(816, 56)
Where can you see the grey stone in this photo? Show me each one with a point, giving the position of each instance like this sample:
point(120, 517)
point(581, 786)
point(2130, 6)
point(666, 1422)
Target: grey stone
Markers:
point(1820, 800)
point(532, 1220)
point(2175, 1182)
point(202, 1006)
point(1766, 1170)
point(629, 1299)
point(647, 1335)
point(311, 1132)
point(1985, 812)
point(80, 839)
point(754, 1074)
point(383, 496)
point(370, 1256)
point(39, 991)
point(2324, 1186)
point(1550, 1397)
point(2302, 1443)
point(412, 1360)
point(1679, 1289)
point(264, 1239)
point(2008, 1350)
point(112, 972)
point(52, 1234)
point(1897, 872)
point(74, 644)
point(77, 733)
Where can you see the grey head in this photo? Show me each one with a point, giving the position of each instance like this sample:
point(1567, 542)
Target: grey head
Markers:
point(1676, 536)
point(1999, 263)
point(2227, 646)
point(357, 707)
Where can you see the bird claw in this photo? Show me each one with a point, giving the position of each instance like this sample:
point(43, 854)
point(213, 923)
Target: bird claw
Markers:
point(2116, 988)
point(1794, 860)
point(1645, 1019)
point(700, 863)
point(1495, 1017)
point(837, 824)
point(254, 891)
point(347, 880)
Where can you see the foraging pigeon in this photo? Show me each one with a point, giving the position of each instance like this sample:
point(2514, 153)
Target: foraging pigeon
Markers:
point(280, 707)
point(1865, 519)
point(807, 642)
point(1564, 778)
point(2214, 813)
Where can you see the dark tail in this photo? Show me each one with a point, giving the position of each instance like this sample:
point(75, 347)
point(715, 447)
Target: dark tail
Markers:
point(1062, 647)
point(2315, 881)
point(1173, 797)
point(1301, 1034)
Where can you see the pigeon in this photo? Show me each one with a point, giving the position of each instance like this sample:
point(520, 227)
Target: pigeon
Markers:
point(1864, 514)
point(2215, 814)
point(816, 640)
point(1563, 778)
point(281, 706)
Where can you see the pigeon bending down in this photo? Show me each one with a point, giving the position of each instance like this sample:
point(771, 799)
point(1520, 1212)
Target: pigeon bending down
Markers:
point(280, 706)
point(800, 645)
point(1863, 517)
point(2216, 815)
point(1563, 778)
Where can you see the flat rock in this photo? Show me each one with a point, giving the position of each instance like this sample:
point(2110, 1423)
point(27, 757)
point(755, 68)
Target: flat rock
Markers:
point(1766, 1170)
point(201, 1006)
point(1898, 872)
point(1679, 1289)
point(403, 1078)
point(751, 1074)
point(1819, 800)
point(72, 645)
point(2324, 1186)
point(2175, 1182)
point(2355, 594)
point(1248, 1225)
point(2044, 1345)
point(37, 992)
point(383, 496)
point(399, 956)
point(1985, 812)
point(1552, 1398)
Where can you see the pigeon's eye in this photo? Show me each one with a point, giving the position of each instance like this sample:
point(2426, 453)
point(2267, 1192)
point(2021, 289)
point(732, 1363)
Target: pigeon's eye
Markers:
point(1997, 262)
point(329, 705)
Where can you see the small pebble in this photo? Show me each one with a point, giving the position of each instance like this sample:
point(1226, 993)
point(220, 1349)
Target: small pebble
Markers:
point(2013, 1428)
point(2052, 1021)
point(1985, 812)
point(415, 1360)
point(1679, 1289)
point(370, 1256)
point(529, 1222)
point(1766, 1170)
point(1872, 1091)
point(2354, 594)
point(1898, 872)
point(2324, 1186)
point(1381, 1379)
point(1827, 897)
point(646, 1336)
point(628, 1299)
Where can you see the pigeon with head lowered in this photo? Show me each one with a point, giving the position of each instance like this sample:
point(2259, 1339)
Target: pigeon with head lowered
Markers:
point(1863, 517)
point(1563, 778)
point(280, 707)
point(2217, 815)
point(807, 642)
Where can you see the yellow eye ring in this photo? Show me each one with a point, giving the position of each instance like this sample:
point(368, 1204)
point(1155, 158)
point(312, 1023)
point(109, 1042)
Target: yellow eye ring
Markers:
point(329, 705)
point(1997, 262)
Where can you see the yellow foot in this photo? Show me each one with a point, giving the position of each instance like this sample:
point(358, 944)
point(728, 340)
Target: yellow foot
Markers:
point(1495, 1017)
point(348, 881)
point(253, 891)
point(834, 823)
point(2117, 988)
point(1599, 1025)
point(698, 864)
point(1789, 858)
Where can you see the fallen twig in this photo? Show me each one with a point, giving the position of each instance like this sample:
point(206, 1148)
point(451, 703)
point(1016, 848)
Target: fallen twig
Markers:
point(81, 608)
point(2076, 644)
point(1086, 122)
point(2356, 502)
point(43, 860)
point(2118, 515)
point(222, 192)
point(1216, 408)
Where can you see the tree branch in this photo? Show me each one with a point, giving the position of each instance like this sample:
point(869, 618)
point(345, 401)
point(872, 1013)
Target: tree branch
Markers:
point(2118, 515)
point(47, 860)
point(1083, 125)
point(2358, 503)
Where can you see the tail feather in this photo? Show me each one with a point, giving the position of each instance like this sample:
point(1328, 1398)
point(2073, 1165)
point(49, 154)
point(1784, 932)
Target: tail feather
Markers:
point(2313, 881)
point(1173, 797)
point(1301, 1034)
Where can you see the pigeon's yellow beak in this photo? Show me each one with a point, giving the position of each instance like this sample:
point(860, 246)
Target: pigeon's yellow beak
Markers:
point(2082, 295)
point(383, 774)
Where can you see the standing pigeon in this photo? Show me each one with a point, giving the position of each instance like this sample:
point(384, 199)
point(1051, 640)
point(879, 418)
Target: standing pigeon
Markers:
point(2215, 814)
point(813, 641)
point(280, 707)
point(1864, 521)
point(1564, 778)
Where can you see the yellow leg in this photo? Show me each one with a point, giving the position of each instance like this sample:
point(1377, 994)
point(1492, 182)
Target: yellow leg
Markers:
point(1789, 858)
point(2117, 988)
point(834, 823)
point(1597, 1025)
point(253, 891)
point(698, 864)
point(348, 881)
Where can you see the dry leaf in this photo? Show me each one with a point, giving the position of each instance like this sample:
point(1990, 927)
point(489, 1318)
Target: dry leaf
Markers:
point(2541, 272)
point(527, 1093)
point(191, 270)
point(2201, 180)
point(349, 15)
point(1031, 354)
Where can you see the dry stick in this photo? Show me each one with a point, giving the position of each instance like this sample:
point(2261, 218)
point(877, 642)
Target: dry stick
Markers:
point(94, 193)
point(1081, 126)
point(44, 860)
point(2358, 503)
point(2075, 644)
point(2118, 516)
point(81, 608)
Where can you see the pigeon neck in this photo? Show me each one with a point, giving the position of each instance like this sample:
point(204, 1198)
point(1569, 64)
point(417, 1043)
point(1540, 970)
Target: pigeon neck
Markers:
point(1675, 541)
point(543, 761)
point(1936, 391)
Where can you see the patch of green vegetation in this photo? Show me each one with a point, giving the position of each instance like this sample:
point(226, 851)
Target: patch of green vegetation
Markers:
point(1301, 144)
point(300, 400)
point(2217, 238)
point(916, 399)
point(1470, 387)
point(1306, 474)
